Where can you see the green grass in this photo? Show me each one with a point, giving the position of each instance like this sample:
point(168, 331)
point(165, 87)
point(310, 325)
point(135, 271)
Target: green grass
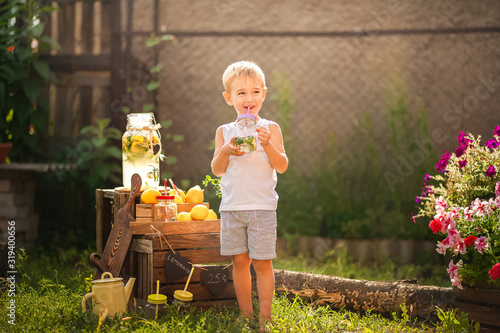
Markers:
point(48, 299)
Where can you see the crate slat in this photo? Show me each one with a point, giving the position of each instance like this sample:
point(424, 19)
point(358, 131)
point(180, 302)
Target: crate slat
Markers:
point(175, 228)
point(205, 240)
point(205, 256)
point(159, 274)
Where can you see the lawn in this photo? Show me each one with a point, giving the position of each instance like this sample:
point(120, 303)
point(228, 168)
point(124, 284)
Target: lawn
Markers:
point(48, 299)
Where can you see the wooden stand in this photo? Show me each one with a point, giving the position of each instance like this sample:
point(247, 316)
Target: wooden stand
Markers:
point(199, 241)
point(196, 240)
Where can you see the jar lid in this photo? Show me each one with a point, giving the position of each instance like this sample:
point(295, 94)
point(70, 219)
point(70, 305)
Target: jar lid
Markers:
point(157, 299)
point(247, 115)
point(165, 197)
point(182, 295)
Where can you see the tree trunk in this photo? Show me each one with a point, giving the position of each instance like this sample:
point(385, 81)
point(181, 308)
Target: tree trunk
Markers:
point(379, 296)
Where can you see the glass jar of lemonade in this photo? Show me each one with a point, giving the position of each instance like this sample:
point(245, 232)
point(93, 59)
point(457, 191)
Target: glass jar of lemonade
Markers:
point(141, 149)
point(246, 133)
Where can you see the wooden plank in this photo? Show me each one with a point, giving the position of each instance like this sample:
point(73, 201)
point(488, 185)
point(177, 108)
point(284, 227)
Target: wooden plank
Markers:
point(187, 241)
point(478, 295)
point(142, 245)
point(206, 256)
point(72, 63)
point(66, 27)
point(107, 19)
point(87, 31)
point(199, 291)
point(144, 210)
point(483, 314)
point(150, 259)
point(159, 274)
point(175, 228)
point(85, 107)
point(99, 219)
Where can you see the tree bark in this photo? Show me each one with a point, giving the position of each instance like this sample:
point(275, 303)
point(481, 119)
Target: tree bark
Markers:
point(378, 296)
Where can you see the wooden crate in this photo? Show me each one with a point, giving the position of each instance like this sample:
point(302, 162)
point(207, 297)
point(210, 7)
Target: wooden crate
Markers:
point(197, 240)
point(481, 303)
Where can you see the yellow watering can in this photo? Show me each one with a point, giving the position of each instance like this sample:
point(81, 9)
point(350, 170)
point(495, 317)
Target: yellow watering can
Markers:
point(109, 295)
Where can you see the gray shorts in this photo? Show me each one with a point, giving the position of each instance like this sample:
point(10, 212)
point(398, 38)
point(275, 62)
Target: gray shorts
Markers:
point(252, 231)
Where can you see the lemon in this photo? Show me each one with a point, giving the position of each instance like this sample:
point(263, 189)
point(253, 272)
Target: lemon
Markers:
point(194, 195)
point(184, 216)
point(211, 215)
point(149, 196)
point(199, 212)
point(182, 197)
point(178, 199)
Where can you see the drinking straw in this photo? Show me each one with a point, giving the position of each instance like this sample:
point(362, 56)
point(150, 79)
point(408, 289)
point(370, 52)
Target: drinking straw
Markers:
point(175, 187)
point(165, 190)
point(187, 282)
point(157, 288)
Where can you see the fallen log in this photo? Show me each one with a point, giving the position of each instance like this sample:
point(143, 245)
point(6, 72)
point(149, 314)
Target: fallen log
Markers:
point(378, 296)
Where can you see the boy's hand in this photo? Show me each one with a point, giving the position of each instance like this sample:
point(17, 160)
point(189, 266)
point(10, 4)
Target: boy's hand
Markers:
point(230, 149)
point(264, 136)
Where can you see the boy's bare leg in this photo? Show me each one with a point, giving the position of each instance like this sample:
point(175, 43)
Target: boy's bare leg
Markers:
point(265, 288)
point(243, 283)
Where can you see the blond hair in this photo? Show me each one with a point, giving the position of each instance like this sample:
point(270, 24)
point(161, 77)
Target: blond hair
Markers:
point(242, 69)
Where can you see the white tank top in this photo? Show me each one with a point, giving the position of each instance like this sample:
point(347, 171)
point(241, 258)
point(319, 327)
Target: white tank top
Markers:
point(249, 181)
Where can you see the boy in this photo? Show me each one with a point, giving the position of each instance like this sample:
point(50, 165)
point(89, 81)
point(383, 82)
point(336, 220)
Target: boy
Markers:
point(248, 181)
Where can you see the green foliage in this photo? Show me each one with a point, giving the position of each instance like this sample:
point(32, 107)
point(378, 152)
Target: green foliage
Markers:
point(215, 183)
point(452, 323)
point(369, 198)
point(96, 158)
point(23, 107)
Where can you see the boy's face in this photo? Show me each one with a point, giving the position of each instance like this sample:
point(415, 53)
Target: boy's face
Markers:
point(246, 92)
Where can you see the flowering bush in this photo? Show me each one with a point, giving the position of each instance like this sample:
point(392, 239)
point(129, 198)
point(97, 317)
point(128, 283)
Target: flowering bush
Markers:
point(464, 205)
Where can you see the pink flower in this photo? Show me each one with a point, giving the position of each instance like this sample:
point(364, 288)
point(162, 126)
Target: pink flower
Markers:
point(454, 277)
point(495, 271)
point(443, 246)
point(441, 205)
point(460, 247)
point(480, 208)
point(481, 244)
point(497, 189)
point(468, 214)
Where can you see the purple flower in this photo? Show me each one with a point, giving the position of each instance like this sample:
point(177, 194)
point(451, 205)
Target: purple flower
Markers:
point(496, 131)
point(462, 163)
point(443, 162)
point(492, 143)
point(491, 171)
point(417, 199)
point(427, 177)
point(497, 189)
point(459, 150)
point(463, 140)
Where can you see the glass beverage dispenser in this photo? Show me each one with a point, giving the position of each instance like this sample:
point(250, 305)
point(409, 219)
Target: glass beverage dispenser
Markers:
point(141, 149)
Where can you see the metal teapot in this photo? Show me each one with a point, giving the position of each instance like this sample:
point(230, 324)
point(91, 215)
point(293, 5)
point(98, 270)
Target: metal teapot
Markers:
point(109, 295)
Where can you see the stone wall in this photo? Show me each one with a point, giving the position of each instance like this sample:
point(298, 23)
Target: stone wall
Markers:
point(17, 208)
